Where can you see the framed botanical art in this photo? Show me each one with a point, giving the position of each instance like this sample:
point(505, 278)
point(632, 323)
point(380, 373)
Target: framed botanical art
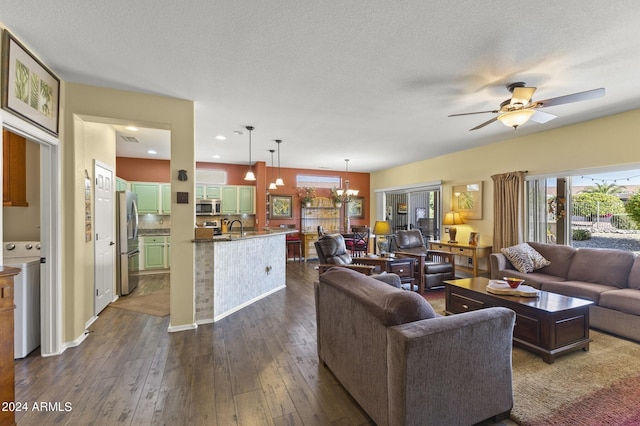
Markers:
point(356, 208)
point(467, 199)
point(29, 89)
point(281, 207)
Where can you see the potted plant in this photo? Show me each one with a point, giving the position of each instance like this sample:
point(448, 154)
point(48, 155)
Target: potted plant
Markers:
point(306, 194)
point(337, 200)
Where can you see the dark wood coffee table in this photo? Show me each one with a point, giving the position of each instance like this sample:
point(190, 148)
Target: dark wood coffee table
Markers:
point(548, 325)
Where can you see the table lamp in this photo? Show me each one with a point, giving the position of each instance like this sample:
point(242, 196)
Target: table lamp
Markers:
point(452, 218)
point(382, 228)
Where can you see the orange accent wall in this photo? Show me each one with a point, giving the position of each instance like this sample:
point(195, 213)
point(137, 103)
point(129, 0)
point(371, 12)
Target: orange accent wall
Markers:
point(143, 170)
point(359, 181)
point(137, 169)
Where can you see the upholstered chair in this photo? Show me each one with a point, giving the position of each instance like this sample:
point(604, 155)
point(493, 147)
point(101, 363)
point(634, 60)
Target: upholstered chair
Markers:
point(433, 267)
point(332, 252)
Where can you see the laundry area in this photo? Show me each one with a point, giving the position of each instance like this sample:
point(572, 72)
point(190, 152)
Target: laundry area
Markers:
point(21, 236)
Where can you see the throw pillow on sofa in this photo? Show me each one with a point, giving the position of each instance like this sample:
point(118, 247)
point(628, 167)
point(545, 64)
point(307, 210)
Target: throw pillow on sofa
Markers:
point(524, 258)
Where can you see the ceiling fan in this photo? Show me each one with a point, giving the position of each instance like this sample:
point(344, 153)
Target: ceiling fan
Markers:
point(520, 108)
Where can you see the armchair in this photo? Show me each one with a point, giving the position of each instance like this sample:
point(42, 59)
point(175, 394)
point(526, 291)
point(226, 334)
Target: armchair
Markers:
point(332, 252)
point(432, 266)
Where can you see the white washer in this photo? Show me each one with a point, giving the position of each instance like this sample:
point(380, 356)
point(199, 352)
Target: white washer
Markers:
point(26, 256)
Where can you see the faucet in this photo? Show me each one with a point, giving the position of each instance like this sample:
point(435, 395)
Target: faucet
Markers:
point(241, 226)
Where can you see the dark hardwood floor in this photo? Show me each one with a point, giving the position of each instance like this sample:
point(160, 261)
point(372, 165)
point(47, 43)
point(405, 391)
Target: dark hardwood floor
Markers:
point(258, 366)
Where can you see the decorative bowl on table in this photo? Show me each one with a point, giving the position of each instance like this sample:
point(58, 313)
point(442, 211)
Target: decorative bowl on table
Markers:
point(513, 282)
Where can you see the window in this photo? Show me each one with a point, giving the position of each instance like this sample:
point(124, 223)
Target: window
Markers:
point(585, 210)
point(318, 181)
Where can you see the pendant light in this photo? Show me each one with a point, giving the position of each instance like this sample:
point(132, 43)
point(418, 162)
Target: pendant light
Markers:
point(272, 185)
point(279, 181)
point(250, 175)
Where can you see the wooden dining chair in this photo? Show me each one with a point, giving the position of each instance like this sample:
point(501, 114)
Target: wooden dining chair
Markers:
point(358, 241)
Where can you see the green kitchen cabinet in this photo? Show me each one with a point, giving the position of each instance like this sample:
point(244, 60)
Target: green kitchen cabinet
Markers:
point(154, 252)
point(238, 199)
point(168, 253)
point(148, 197)
point(212, 192)
point(246, 199)
point(229, 197)
point(121, 184)
point(199, 192)
point(165, 190)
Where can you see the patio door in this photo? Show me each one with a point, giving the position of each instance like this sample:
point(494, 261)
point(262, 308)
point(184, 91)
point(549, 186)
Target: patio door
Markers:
point(547, 210)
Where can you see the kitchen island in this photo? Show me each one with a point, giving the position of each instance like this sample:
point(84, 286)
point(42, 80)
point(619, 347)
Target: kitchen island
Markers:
point(235, 270)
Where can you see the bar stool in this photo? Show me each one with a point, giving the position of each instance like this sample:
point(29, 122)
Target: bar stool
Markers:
point(294, 245)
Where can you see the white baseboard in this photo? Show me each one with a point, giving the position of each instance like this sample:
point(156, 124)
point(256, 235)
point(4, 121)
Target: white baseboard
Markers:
point(185, 327)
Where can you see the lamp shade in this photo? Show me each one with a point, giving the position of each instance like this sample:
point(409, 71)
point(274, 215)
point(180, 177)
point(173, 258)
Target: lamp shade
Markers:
point(382, 227)
point(516, 118)
point(452, 218)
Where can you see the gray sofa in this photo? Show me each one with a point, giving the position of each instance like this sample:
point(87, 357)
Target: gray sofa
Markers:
point(406, 365)
point(608, 277)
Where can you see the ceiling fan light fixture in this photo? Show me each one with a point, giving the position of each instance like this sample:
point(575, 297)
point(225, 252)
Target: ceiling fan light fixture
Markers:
point(516, 118)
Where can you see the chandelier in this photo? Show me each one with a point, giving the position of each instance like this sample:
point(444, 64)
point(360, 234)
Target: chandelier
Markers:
point(346, 194)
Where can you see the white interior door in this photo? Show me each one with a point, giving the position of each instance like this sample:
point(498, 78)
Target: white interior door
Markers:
point(104, 246)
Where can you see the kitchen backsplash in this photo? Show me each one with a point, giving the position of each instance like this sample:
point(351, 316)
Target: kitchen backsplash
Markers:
point(154, 221)
point(249, 221)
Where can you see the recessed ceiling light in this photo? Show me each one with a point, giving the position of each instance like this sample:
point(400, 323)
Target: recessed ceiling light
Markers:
point(238, 132)
point(151, 151)
point(221, 137)
point(216, 156)
point(132, 128)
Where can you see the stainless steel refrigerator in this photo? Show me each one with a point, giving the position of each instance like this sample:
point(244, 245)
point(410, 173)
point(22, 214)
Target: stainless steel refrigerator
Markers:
point(128, 253)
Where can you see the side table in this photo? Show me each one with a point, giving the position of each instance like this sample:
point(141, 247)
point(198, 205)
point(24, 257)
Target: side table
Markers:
point(402, 266)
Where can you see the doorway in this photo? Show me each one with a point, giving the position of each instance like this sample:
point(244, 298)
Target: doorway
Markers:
point(50, 231)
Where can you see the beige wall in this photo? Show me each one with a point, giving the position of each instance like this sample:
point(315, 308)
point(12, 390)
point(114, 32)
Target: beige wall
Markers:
point(610, 141)
point(23, 223)
point(84, 105)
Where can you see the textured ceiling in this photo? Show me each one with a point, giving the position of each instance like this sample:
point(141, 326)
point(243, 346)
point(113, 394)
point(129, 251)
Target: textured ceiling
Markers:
point(372, 81)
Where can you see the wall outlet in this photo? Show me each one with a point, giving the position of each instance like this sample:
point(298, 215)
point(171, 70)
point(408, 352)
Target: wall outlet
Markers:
point(446, 230)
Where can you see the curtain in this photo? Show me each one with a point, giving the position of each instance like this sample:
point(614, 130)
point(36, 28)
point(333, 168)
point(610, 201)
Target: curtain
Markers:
point(508, 209)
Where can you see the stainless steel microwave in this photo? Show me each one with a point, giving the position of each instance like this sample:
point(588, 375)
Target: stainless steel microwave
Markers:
point(205, 207)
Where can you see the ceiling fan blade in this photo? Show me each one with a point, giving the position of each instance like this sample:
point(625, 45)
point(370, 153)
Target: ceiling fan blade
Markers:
point(471, 113)
point(542, 117)
point(575, 97)
point(522, 95)
point(480, 126)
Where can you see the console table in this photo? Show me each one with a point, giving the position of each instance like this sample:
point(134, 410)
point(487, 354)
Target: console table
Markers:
point(475, 253)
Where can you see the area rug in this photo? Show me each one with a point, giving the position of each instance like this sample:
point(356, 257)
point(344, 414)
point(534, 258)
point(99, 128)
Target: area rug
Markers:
point(598, 387)
point(156, 303)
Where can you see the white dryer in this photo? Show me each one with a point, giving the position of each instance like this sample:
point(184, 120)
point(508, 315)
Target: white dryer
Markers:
point(26, 256)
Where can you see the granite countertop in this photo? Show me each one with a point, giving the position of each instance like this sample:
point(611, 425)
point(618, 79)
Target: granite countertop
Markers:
point(265, 232)
point(156, 232)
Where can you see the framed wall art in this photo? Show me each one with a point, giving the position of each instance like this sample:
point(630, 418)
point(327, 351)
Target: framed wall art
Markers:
point(29, 89)
point(356, 208)
point(281, 207)
point(467, 199)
